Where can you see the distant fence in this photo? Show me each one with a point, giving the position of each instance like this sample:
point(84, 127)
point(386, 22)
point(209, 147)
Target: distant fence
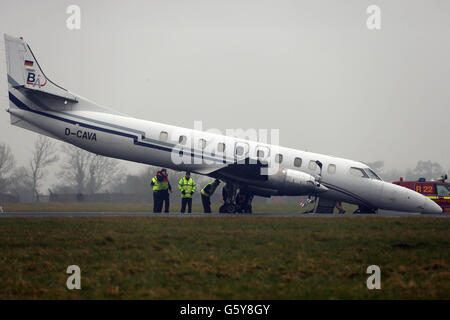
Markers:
point(6, 197)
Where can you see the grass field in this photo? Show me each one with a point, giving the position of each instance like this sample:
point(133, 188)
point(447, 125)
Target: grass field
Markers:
point(131, 207)
point(225, 258)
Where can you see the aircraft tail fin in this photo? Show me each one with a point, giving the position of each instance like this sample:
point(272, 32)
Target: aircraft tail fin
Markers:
point(24, 71)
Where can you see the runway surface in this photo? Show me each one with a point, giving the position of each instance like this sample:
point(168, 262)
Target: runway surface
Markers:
point(388, 214)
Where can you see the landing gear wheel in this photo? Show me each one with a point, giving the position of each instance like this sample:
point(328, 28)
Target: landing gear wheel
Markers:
point(230, 208)
point(227, 208)
point(365, 210)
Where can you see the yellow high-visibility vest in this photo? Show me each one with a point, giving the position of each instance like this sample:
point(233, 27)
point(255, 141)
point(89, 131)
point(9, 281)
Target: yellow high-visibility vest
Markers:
point(211, 191)
point(188, 186)
point(155, 186)
point(163, 185)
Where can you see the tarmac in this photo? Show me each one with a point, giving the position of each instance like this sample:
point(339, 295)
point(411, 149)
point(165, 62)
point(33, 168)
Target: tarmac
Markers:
point(387, 214)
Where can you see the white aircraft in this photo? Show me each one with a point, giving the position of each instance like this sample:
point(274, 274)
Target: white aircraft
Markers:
point(40, 105)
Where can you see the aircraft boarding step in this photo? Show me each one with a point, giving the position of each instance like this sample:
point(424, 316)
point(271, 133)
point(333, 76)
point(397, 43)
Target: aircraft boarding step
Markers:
point(325, 206)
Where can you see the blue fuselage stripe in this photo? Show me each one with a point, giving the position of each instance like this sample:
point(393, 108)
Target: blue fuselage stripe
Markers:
point(136, 141)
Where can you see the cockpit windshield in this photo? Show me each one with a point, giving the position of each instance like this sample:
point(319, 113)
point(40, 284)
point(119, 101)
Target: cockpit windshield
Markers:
point(372, 174)
point(358, 172)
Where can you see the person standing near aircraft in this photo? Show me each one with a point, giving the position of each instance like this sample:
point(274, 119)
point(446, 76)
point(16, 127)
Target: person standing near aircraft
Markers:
point(187, 187)
point(155, 186)
point(244, 201)
point(339, 207)
point(164, 188)
point(207, 192)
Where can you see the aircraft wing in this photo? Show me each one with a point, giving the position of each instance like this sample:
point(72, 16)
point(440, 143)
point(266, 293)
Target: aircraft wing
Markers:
point(247, 169)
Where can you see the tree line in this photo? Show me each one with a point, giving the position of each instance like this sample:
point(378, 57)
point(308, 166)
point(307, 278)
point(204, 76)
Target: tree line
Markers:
point(80, 172)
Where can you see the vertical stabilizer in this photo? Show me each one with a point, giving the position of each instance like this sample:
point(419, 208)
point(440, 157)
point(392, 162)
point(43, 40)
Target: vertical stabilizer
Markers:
point(25, 72)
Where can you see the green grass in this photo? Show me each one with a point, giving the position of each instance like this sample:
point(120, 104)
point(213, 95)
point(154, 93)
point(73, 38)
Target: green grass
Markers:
point(225, 258)
point(131, 207)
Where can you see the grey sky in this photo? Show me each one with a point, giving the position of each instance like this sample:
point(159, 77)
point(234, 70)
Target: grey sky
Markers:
point(309, 68)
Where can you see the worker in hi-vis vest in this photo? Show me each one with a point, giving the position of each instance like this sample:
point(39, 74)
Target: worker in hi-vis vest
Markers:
point(156, 186)
point(207, 192)
point(187, 187)
point(163, 194)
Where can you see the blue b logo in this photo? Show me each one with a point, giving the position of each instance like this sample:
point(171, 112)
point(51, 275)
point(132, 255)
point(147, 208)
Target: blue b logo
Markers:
point(30, 78)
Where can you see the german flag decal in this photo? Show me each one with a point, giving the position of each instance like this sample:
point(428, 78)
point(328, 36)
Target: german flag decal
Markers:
point(29, 63)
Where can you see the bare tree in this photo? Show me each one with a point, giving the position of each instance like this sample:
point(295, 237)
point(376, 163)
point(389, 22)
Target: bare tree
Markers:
point(87, 171)
point(74, 167)
point(43, 156)
point(7, 163)
point(101, 171)
point(427, 169)
point(20, 184)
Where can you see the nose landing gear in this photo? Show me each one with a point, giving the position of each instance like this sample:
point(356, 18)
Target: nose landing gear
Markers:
point(365, 210)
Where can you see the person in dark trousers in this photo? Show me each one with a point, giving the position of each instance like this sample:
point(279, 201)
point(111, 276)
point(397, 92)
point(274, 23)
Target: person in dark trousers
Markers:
point(339, 207)
point(163, 193)
point(207, 192)
point(187, 188)
point(244, 201)
point(155, 187)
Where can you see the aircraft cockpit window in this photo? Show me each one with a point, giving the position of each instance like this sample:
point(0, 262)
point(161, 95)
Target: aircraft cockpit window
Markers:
point(372, 175)
point(163, 136)
point(182, 140)
point(358, 172)
point(278, 158)
point(443, 190)
point(331, 169)
point(298, 162)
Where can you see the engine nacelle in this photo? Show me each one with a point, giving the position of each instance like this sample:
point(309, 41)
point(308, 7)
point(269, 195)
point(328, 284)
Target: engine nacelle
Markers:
point(295, 183)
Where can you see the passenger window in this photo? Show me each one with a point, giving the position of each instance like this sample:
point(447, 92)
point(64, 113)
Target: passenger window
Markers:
point(163, 136)
point(202, 144)
point(260, 154)
point(182, 140)
point(239, 150)
point(357, 172)
point(221, 147)
point(331, 168)
point(278, 158)
point(298, 162)
point(312, 165)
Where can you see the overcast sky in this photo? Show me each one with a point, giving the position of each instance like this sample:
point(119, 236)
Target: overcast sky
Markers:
point(309, 68)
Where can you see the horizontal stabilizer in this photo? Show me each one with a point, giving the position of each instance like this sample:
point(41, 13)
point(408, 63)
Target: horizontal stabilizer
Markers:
point(17, 121)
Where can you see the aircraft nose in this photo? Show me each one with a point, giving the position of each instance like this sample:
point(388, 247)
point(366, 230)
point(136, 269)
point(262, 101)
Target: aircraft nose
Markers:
point(431, 207)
